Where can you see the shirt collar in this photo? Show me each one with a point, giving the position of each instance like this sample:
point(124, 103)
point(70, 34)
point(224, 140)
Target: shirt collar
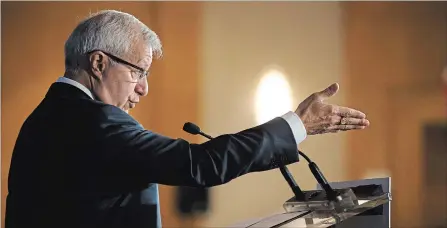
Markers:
point(75, 84)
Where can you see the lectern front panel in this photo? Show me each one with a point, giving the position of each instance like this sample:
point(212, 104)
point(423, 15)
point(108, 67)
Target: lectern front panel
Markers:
point(377, 218)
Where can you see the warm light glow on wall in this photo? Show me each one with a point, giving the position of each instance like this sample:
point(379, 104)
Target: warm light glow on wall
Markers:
point(273, 96)
point(444, 78)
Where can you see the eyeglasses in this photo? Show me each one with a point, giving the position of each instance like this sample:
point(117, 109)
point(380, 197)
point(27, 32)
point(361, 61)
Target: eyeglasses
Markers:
point(142, 73)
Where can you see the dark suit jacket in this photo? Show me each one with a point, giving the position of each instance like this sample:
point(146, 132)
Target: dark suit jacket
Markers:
point(79, 162)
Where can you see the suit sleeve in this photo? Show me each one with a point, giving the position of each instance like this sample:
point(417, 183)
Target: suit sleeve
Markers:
point(132, 153)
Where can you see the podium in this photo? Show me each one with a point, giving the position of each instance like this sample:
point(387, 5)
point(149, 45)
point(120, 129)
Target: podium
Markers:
point(366, 203)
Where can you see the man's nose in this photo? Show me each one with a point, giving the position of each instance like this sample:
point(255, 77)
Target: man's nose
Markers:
point(142, 87)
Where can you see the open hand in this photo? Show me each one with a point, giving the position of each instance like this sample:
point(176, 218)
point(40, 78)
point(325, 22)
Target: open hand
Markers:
point(319, 117)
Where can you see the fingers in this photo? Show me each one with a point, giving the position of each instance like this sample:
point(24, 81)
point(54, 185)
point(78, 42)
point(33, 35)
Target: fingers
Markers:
point(328, 92)
point(338, 128)
point(333, 124)
point(346, 124)
point(345, 127)
point(348, 112)
point(354, 121)
point(338, 120)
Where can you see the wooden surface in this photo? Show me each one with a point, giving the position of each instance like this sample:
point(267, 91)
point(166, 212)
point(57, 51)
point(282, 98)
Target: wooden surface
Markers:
point(395, 53)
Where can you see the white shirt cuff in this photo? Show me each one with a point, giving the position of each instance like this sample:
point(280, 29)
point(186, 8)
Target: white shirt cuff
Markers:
point(297, 126)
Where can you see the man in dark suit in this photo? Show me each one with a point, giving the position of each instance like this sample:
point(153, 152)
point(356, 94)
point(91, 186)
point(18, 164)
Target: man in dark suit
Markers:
point(81, 161)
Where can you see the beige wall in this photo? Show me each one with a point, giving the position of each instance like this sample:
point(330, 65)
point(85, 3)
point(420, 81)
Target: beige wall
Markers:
point(239, 41)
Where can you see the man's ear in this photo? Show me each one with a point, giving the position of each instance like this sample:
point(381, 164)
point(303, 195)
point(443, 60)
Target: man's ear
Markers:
point(97, 64)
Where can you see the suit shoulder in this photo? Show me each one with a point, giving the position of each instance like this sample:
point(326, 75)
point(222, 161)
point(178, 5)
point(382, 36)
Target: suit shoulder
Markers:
point(109, 114)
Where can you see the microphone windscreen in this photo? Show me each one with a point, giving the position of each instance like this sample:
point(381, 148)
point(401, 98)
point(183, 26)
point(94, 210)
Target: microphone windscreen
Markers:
point(191, 128)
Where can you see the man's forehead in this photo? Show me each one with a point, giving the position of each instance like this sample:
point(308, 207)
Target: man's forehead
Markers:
point(144, 55)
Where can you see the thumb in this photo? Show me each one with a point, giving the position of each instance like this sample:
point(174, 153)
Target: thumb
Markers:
point(329, 91)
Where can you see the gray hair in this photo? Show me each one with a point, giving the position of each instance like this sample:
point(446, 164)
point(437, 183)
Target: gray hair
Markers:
point(112, 31)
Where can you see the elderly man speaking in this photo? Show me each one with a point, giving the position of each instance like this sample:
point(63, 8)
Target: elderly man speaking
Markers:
point(81, 161)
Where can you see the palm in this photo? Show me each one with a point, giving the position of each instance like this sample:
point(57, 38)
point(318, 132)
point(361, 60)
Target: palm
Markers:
point(319, 117)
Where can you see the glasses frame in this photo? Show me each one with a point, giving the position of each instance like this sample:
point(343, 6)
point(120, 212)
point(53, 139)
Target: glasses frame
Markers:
point(143, 72)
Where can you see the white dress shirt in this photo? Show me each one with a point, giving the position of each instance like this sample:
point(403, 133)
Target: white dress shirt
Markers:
point(295, 123)
point(75, 84)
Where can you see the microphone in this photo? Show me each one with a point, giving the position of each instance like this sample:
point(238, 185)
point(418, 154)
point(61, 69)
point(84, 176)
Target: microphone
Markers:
point(331, 194)
point(299, 195)
point(194, 130)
